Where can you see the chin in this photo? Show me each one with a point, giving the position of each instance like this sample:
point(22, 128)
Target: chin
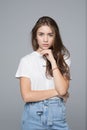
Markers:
point(45, 48)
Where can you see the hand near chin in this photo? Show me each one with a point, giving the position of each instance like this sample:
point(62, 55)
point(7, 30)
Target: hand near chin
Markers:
point(48, 54)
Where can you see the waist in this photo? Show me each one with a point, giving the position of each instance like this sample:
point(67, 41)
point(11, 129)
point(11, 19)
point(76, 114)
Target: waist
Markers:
point(47, 101)
point(52, 98)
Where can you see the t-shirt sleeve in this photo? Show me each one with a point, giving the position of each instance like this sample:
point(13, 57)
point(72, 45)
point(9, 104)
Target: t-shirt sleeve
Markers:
point(68, 61)
point(23, 69)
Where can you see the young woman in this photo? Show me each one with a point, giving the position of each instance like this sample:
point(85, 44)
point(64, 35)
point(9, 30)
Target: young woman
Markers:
point(44, 79)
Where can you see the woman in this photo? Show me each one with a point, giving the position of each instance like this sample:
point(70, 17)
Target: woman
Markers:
point(44, 79)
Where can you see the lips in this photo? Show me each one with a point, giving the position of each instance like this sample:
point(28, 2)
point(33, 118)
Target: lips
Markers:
point(45, 44)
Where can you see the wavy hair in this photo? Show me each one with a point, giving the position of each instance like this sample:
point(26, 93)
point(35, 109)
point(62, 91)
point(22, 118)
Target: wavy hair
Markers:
point(58, 49)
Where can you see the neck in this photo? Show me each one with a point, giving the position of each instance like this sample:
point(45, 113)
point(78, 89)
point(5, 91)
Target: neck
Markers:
point(39, 50)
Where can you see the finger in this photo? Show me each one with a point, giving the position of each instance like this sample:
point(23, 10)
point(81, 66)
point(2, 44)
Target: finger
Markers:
point(44, 52)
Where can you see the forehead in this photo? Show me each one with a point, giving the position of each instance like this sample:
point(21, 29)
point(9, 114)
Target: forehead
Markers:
point(45, 28)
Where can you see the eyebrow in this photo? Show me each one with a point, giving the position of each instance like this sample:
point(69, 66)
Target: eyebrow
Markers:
point(47, 33)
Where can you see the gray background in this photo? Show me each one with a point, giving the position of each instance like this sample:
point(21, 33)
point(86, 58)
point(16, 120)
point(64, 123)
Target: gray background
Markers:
point(17, 17)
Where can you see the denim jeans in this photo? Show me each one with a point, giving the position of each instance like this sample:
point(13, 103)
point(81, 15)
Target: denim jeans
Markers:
point(48, 114)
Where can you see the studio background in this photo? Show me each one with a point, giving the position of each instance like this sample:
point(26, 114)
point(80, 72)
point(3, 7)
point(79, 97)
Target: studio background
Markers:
point(17, 17)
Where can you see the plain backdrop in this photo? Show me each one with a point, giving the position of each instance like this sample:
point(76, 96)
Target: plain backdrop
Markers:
point(17, 17)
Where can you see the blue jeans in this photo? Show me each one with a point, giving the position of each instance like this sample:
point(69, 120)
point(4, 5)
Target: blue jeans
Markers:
point(48, 114)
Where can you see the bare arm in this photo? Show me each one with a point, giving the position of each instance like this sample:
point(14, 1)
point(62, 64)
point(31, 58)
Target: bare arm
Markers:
point(60, 81)
point(29, 95)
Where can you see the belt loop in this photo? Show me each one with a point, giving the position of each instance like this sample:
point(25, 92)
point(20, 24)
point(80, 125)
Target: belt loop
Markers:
point(50, 120)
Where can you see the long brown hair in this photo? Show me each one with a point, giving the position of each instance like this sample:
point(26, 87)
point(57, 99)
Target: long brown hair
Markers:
point(58, 49)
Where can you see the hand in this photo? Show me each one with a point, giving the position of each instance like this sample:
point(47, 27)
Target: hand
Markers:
point(48, 54)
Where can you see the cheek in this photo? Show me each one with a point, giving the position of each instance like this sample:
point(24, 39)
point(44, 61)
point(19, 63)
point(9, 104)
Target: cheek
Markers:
point(51, 41)
point(38, 39)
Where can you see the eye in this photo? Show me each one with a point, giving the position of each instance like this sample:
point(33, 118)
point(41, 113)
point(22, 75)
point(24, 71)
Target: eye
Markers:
point(41, 34)
point(51, 34)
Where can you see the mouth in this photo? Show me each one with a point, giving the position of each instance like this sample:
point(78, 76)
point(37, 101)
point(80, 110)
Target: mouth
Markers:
point(45, 45)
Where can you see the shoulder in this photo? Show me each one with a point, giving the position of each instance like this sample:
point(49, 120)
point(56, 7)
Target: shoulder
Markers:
point(27, 57)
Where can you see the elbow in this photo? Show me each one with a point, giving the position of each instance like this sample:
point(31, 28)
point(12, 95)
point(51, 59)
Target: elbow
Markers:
point(62, 93)
point(64, 89)
point(26, 98)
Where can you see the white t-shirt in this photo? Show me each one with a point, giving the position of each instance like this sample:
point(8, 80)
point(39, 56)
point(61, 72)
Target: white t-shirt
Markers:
point(33, 66)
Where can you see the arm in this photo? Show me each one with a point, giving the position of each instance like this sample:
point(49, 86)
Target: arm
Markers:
point(29, 95)
point(60, 81)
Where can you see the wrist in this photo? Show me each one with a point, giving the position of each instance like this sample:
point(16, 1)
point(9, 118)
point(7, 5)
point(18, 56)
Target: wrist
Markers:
point(54, 69)
point(53, 64)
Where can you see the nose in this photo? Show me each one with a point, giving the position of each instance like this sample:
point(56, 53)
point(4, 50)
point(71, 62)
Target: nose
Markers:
point(45, 39)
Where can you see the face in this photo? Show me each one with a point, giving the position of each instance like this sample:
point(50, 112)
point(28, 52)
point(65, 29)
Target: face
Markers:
point(45, 37)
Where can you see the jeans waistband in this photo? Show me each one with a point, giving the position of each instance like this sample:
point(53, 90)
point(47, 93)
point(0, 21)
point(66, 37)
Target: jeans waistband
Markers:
point(48, 101)
point(53, 98)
